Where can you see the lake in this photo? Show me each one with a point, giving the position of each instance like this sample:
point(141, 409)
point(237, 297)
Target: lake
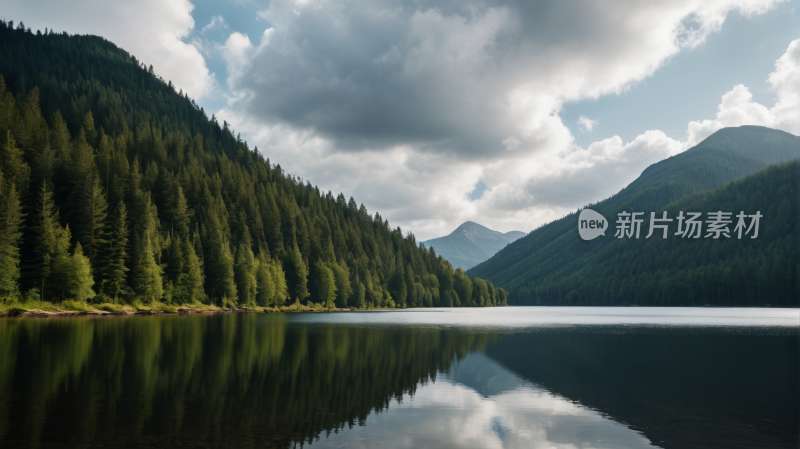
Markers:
point(509, 377)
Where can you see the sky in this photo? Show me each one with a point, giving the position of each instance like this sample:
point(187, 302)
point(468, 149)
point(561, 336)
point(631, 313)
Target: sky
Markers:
point(432, 113)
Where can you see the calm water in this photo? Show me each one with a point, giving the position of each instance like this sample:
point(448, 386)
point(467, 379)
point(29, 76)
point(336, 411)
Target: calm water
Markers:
point(514, 377)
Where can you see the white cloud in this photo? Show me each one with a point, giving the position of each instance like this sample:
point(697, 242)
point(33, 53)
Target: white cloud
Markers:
point(406, 107)
point(785, 81)
point(236, 51)
point(151, 30)
point(217, 22)
point(587, 123)
point(738, 108)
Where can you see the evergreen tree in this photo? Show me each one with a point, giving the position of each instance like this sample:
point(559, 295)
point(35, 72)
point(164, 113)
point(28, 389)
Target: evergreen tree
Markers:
point(11, 222)
point(48, 234)
point(116, 253)
point(61, 269)
point(13, 165)
point(296, 275)
point(281, 288)
point(192, 278)
point(93, 213)
point(221, 273)
point(245, 274)
point(145, 272)
point(266, 286)
point(359, 296)
point(463, 287)
point(341, 275)
point(480, 293)
point(73, 273)
point(174, 272)
point(324, 285)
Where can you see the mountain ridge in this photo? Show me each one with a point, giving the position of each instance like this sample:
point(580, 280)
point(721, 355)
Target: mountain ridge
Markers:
point(728, 155)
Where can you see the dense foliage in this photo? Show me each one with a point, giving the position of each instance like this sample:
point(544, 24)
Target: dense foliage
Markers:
point(552, 265)
point(116, 187)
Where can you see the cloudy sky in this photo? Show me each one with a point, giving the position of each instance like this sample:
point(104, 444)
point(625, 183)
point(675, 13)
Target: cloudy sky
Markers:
point(509, 114)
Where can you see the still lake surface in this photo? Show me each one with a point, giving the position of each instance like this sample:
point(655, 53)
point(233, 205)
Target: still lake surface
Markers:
point(510, 377)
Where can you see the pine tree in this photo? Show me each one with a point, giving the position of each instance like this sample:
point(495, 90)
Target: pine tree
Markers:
point(296, 275)
point(178, 211)
point(116, 253)
point(463, 287)
point(360, 296)
point(93, 214)
point(279, 278)
point(11, 222)
point(73, 274)
point(324, 285)
point(173, 271)
point(145, 272)
point(48, 233)
point(220, 270)
point(192, 281)
point(60, 265)
point(266, 286)
point(245, 274)
point(341, 275)
point(397, 287)
point(13, 165)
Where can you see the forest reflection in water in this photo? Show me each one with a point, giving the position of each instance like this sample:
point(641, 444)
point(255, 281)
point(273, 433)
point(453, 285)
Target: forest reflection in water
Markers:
point(280, 381)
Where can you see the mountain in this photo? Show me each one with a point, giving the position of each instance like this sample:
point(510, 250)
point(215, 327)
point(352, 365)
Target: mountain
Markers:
point(116, 187)
point(471, 244)
point(552, 262)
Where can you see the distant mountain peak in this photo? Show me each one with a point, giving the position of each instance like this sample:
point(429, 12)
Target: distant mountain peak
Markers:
point(471, 243)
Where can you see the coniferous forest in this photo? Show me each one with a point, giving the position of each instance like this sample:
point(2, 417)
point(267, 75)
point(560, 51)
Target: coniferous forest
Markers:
point(675, 271)
point(117, 188)
point(748, 168)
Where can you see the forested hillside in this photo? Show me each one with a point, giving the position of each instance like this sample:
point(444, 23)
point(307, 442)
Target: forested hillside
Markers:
point(678, 271)
point(115, 187)
point(552, 265)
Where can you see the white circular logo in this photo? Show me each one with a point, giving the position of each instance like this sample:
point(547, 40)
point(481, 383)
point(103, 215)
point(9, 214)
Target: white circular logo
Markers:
point(591, 224)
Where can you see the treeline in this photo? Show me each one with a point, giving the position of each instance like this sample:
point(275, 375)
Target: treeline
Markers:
point(115, 187)
point(690, 272)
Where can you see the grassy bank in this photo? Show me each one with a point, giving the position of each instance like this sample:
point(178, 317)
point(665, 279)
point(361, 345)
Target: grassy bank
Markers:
point(35, 307)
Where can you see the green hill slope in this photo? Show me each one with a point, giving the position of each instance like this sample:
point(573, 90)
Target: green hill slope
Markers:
point(550, 255)
point(115, 187)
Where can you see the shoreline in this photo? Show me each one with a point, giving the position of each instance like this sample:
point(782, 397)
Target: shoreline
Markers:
point(60, 313)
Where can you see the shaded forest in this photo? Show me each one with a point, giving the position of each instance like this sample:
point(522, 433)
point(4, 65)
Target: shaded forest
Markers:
point(731, 171)
point(117, 188)
point(677, 271)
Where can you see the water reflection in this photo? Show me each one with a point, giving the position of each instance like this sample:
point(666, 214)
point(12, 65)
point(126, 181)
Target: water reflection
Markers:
point(355, 380)
point(480, 404)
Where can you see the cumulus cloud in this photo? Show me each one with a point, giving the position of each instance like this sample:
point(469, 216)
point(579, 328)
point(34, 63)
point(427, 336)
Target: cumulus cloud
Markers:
point(217, 23)
point(151, 30)
point(407, 106)
point(587, 123)
point(459, 76)
point(236, 51)
point(738, 108)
